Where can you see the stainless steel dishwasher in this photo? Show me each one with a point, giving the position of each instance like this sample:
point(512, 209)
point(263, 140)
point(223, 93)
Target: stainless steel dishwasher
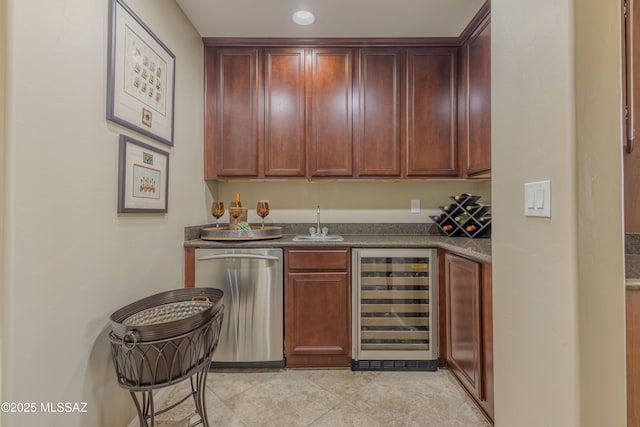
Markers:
point(252, 281)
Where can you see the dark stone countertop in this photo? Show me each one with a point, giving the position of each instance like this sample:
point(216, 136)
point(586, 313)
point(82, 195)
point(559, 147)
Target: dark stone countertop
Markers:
point(632, 260)
point(476, 249)
point(632, 271)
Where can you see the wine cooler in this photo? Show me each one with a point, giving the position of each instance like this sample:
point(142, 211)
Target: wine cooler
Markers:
point(394, 309)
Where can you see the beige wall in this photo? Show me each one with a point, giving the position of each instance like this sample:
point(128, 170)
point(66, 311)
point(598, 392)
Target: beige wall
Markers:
point(601, 298)
point(535, 260)
point(349, 201)
point(557, 289)
point(3, 26)
point(70, 259)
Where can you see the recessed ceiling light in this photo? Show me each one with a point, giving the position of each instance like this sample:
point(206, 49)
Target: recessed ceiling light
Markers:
point(303, 17)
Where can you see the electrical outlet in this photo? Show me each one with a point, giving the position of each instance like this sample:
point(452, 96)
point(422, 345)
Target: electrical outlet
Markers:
point(415, 206)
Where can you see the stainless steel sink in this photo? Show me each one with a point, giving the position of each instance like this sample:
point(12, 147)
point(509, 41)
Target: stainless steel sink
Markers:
point(318, 238)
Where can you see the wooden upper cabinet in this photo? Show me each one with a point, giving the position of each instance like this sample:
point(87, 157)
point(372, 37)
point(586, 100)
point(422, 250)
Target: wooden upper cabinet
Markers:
point(279, 108)
point(210, 113)
point(329, 111)
point(631, 93)
point(284, 130)
point(475, 115)
point(377, 139)
point(233, 133)
point(431, 148)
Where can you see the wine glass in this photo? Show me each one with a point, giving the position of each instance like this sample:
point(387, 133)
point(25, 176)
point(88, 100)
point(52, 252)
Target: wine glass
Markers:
point(235, 210)
point(262, 210)
point(217, 210)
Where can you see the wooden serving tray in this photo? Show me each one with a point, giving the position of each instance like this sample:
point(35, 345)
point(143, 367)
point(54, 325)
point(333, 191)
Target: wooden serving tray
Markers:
point(257, 233)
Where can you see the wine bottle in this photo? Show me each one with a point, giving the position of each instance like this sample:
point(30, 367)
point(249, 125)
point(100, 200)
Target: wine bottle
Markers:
point(462, 218)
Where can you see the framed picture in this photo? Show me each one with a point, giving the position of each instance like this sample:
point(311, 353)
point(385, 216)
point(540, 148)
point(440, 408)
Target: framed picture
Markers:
point(143, 177)
point(141, 76)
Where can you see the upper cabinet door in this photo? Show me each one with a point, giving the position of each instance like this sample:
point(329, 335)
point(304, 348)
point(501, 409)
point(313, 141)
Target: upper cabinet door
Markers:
point(330, 135)
point(477, 137)
point(631, 39)
point(239, 113)
point(431, 113)
point(314, 110)
point(377, 140)
point(284, 130)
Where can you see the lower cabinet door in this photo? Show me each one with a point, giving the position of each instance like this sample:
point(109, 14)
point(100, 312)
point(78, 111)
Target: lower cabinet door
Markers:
point(317, 319)
point(633, 356)
point(463, 299)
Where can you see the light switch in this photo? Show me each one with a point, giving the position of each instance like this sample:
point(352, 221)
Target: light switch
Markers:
point(537, 199)
point(415, 206)
point(529, 199)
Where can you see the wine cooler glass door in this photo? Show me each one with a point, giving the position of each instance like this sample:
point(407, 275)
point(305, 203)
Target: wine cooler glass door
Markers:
point(394, 295)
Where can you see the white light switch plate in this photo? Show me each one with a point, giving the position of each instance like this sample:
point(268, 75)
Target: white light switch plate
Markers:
point(537, 199)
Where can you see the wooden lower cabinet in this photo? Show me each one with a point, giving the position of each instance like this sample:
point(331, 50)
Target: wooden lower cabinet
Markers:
point(469, 327)
point(317, 308)
point(633, 357)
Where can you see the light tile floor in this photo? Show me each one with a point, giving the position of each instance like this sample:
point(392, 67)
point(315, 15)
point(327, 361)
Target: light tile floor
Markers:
point(329, 398)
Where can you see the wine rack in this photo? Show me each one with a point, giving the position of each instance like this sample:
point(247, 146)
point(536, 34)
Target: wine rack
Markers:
point(464, 217)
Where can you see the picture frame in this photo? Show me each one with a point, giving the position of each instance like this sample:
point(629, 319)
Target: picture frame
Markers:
point(143, 177)
point(140, 77)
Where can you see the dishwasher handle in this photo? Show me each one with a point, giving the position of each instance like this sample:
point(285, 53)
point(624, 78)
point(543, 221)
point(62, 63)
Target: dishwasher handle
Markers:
point(242, 256)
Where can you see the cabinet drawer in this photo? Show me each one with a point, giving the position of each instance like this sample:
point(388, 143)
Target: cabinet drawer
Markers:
point(324, 260)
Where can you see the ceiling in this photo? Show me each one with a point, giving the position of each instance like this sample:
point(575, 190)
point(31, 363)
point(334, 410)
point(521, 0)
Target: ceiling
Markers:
point(334, 18)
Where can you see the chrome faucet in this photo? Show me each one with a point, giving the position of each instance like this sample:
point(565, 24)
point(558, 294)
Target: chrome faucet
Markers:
point(317, 231)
